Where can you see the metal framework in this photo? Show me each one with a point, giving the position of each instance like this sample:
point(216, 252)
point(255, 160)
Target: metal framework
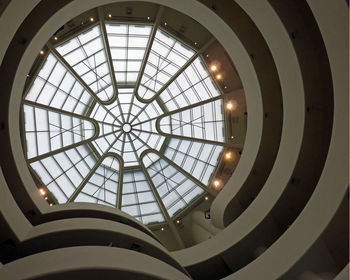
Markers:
point(121, 114)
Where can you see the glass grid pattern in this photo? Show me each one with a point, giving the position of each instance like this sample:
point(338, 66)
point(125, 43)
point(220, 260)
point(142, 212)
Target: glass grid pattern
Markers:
point(69, 130)
point(128, 44)
point(86, 54)
point(174, 188)
point(201, 122)
point(54, 86)
point(140, 116)
point(166, 57)
point(63, 172)
point(198, 159)
point(138, 199)
point(102, 187)
point(47, 131)
point(193, 85)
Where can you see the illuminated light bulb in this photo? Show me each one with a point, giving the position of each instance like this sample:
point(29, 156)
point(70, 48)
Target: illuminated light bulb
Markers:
point(177, 221)
point(207, 55)
point(228, 155)
point(225, 86)
point(218, 76)
point(229, 106)
point(51, 204)
point(162, 229)
point(206, 198)
point(165, 23)
point(148, 18)
point(216, 183)
point(213, 68)
point(46, 198)
point(42, 52)
point(196, 43)
point(42, 191)
point(109, 15)
point(92, 19)
point(55, 38)
point(232, 137)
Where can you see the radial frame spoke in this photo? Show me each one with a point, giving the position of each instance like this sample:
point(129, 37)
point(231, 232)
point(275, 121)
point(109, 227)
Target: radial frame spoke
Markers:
point(95, 100)
point(148, 51)
point(213, 142)
point(165, 213)
point(181, 170)
point(92, 172)
point(60, 111)
point(68, 147)
point(181, 70)
point(60, 150)
point(108, 53)
point(61, 59)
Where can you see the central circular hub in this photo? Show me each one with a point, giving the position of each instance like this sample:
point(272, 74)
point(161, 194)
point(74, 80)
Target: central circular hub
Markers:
point(126, 127)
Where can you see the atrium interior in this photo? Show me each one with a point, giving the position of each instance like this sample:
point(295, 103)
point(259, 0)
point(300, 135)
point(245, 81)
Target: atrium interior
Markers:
point(168, 139)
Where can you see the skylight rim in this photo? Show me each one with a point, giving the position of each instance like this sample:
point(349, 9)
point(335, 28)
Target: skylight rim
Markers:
point(97, 100)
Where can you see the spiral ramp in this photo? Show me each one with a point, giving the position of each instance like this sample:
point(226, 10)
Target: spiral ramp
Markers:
point(284, 211)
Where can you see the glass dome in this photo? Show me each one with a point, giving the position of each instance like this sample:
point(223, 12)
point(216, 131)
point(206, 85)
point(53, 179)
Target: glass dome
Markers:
point(120, 114)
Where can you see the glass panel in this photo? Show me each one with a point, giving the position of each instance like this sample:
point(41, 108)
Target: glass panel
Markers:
point(190, 87)
point(198, 159)
point(48, 131)
point(166, 57)
point(128, 44)
point(203, 122)
point(138, 199)
point(103, 184)
point(86, 54)
point(171, 184)
point(54, 86)
point(62, 173)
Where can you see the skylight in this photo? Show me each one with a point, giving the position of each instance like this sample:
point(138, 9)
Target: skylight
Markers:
point(119, 117)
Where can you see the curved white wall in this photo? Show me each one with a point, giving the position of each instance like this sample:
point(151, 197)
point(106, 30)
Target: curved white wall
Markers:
point(292, 251)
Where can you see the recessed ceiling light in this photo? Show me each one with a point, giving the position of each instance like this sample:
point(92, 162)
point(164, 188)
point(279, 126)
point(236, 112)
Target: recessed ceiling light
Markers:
point(109, 15)
point(42, 52)
point(229, 106)
point(228, 155)
point(92, 19)
point(216, 183)
point(213, 67)
point(218, 76)
point(55, 38)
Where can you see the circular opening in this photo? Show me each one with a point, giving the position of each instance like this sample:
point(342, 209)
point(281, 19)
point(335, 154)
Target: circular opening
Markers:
point(126, 128)
point(124, 131)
